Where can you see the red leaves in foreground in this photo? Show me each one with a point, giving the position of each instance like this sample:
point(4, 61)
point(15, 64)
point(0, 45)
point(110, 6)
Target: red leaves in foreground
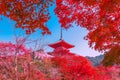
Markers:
point(23, 69)
point(77, 68)
point(65, 67)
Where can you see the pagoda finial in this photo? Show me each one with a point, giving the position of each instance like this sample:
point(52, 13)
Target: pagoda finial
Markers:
point(61, 35)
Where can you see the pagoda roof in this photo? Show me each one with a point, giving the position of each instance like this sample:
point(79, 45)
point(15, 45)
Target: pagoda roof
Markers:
point(61, 43)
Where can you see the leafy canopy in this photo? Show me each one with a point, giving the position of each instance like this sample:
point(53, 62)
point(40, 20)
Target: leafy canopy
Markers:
point(100, 17)
point(28, 14)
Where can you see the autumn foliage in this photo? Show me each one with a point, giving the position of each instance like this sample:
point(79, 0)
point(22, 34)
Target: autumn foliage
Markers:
point(22, 69)
point(68, 67)
point(112, 57)
point(75, 68)
point(28, 14)
point(100, 17)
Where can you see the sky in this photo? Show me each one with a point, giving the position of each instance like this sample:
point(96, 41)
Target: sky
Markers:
point(74, 35)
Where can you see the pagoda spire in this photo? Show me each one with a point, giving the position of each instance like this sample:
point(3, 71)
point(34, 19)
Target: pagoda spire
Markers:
point(61, 34)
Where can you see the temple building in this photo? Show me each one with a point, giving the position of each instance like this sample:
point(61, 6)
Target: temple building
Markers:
point(61, 48)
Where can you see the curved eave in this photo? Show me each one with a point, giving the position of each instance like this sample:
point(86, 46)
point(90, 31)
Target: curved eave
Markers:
point(61, 43)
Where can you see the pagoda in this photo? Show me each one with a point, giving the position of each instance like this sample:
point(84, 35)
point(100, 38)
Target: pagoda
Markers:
point(61, 47)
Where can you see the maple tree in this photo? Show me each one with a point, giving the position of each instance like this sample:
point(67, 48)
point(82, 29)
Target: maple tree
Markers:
point(110, 73)
point(9, 49)
point(112, 57)
point(49, 68)
point(100, 17)
point(114, 72)
point(101, 21)
point(27, 69)
point(28, 14)
point(77, 68)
